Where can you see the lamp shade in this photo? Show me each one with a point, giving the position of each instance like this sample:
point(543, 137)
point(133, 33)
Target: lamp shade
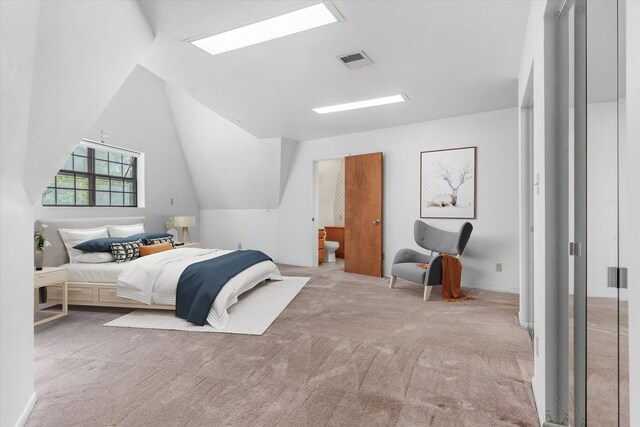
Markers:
point(185, 221)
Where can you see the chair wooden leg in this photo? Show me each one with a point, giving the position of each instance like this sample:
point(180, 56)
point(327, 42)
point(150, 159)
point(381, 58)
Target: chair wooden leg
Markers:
point(392, 282)
point(427, 292)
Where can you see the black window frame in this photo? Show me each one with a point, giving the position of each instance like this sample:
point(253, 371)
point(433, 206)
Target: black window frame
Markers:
point(93, 177)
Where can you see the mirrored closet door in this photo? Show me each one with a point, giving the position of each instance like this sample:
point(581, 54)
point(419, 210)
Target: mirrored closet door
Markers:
point(606, 258)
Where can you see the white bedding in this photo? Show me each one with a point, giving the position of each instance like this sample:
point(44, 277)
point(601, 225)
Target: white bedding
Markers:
point(106, 272)
point(154, 279)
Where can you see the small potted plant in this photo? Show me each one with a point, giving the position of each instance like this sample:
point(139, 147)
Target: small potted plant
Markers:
point(41, 242)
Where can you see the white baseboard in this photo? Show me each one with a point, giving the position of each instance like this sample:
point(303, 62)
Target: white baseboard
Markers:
point(485, 288)
point(526, 325)
point(27, 411)
point(493, 288)
point(523, 324)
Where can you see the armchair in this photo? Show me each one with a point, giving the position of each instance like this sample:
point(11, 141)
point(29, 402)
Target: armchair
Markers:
point(405, 262)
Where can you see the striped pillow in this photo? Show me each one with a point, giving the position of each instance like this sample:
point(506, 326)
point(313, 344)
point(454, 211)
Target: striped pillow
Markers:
point(128, 251)
point(150, 242)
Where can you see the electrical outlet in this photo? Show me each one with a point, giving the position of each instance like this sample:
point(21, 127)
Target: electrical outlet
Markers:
point(239, 245)
point(499, 267)
point(172, 201)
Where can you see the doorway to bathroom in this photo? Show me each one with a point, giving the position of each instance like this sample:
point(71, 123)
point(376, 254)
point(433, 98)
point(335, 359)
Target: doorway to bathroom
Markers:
point(347, 213)
point(330, 212)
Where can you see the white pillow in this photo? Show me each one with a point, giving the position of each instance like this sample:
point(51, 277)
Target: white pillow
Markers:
point(75, 236)
point(125, 230)
point(95, 257)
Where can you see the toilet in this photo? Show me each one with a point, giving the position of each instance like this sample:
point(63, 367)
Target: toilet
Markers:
point(330, 249)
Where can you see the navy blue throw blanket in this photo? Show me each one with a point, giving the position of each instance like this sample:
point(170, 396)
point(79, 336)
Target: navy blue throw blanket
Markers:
point(200, 283)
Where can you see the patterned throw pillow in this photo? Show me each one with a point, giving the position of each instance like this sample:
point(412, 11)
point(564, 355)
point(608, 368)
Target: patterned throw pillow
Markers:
point(129, 251)
point(160, 240)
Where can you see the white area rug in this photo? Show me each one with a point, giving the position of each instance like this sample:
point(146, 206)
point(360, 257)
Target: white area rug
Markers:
point(254, 312)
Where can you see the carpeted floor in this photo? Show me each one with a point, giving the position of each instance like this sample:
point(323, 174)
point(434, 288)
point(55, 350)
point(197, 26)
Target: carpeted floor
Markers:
point(347, 351)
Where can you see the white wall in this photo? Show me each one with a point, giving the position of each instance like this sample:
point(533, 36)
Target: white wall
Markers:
point(328, 173)
point(287, 234)
point(251, 228)
point(18, 21)
point(140, 119)
point(230, 168)
point(533, 56)
point(287, 151)
point(84, 52)
point(57, 76)
point(495, 235)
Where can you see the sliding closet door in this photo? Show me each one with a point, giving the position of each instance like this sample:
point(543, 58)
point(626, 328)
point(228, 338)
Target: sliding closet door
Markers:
point(578, 299)
point(606, 195)
point(602, 213)
point(629, 210)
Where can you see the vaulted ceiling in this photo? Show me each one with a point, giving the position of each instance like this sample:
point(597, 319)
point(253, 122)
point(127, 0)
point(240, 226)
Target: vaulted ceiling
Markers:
point(450, 57)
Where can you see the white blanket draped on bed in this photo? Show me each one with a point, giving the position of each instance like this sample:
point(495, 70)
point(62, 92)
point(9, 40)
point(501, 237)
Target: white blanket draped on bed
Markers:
point(154, 279)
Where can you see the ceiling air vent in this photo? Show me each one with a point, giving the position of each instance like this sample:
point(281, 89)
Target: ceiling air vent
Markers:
point(355, 60)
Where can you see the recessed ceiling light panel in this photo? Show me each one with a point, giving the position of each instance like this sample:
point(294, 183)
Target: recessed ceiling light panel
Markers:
point(362, 104)
point(297, 21)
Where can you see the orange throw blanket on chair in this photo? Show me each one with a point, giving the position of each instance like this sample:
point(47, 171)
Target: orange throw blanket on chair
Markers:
point(451, 275)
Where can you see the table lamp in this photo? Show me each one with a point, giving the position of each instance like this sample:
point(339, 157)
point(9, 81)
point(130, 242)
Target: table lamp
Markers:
point(185, 222)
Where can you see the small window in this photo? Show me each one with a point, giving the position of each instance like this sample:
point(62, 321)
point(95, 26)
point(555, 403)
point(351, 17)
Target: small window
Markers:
point(95, 176)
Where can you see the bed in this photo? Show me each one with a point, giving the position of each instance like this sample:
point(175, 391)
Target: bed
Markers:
point(147, 282)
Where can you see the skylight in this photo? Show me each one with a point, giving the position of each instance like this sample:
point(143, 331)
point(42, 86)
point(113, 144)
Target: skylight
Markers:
point(362, 104)
point(290, 23)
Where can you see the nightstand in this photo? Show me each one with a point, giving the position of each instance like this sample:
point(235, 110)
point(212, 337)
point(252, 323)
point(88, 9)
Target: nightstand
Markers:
point(46, 277)
point(191, 245)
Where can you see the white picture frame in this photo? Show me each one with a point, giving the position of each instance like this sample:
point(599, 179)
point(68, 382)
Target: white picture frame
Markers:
point(448, 183)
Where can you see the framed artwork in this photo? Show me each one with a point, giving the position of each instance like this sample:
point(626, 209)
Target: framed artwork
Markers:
point(448, 183)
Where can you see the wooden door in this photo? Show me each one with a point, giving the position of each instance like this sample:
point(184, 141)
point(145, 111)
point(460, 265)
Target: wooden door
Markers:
point(363, 214)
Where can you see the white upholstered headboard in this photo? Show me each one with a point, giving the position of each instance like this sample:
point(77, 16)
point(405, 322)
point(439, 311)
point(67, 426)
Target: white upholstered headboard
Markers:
point(57, 254)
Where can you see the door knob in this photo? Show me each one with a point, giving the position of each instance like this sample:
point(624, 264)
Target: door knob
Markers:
point(376, 222)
